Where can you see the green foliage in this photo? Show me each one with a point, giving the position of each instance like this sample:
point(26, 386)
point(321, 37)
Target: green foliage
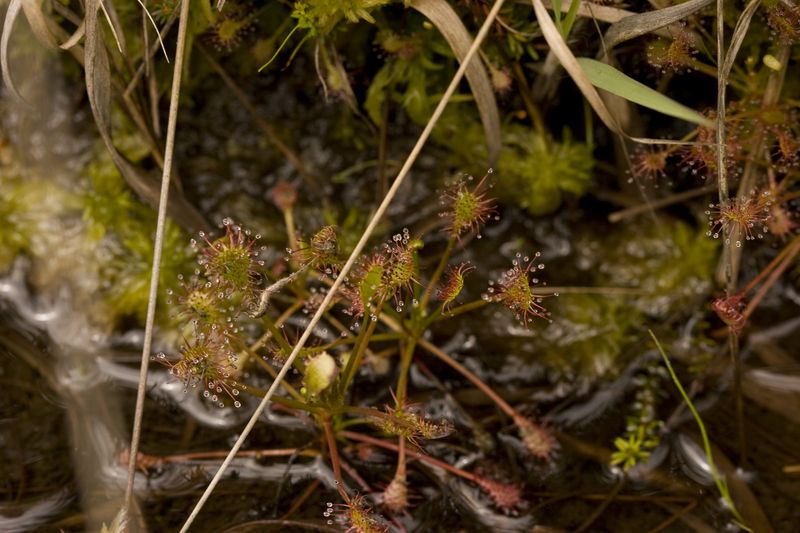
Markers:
point(123, 229)
point(27, 210)
point(612, 80)
point(105, 199)
point(721, 483)
point(411, 76)
point(670, 262)
point(642, 425)
point(369, 286)
point(587, 335)
point(320, 17)
point(669, 266)
point(14, 238)
point(535, 171)
point(634, 448)
point(127, 275)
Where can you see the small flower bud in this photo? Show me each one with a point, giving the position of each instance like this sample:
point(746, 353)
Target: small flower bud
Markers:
point(320, 373)
point(539, 442)
point(729, 310)
point(395, 496)
point(283, 195)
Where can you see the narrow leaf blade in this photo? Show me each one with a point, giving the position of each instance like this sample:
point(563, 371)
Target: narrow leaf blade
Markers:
point(11, 15)
point(612, 80)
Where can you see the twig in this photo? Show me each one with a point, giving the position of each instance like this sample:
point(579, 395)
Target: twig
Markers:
point(602, 507)
point(150, 53)
point(729, 258)
point(675, 515)
point(622, 214)
point(413, 454)
point(334, 455)
point(791, 251)
point(145, 461)
point(464, 371)
point(157, 248)
point(722, 177)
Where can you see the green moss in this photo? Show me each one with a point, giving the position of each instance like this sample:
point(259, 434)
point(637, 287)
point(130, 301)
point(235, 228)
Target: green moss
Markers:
point(412, 75)
point(320, 17)
point(670, 262)
point(127, 274)
point(28, 209)
point(15, 237)
point(535, 172)
point(106, 197)
point(587, 335)
point(124, 230)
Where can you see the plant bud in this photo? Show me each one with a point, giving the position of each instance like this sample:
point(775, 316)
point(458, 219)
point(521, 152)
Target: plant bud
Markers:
point(321, 371)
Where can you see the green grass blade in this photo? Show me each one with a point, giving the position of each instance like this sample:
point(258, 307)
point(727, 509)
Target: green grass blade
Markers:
point(722, 485)
point(557, 16)
point(569, 20)
point(612, 80)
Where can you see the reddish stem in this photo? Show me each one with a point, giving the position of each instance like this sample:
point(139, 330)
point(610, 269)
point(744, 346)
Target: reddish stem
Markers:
point(772, 265)
point(334, 454)
point(301, 499)
point(416, 455)
point(464, 371)
point(791, 252)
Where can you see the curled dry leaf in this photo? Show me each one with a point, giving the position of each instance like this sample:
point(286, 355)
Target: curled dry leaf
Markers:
point(38, 23)
point(570, 63)
point(742, 25)
point(98, 87)
point(11, 15)
point(642, 23)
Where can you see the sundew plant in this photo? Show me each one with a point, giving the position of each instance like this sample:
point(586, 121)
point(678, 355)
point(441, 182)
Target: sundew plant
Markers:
point(432, 265)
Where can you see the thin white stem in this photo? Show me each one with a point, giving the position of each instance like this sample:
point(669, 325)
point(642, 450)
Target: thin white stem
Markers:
point(722, 177)
point(157, 248)
point(412, 157)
